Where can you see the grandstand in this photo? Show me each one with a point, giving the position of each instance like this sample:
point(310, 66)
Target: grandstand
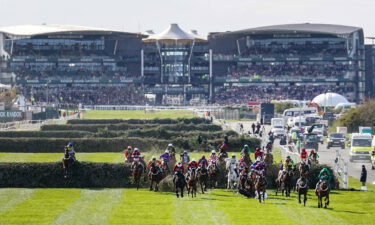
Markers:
point(94, 66)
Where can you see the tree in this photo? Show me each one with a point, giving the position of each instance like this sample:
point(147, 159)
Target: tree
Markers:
point(8, 97)
point(282, 106)
point(361, 116)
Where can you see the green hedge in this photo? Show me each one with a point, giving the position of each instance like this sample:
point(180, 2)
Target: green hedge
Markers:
point(140, 121)
point(124, 126)
point(50, 175)
point(50, 145)
point(55, 134)
point(103, 175)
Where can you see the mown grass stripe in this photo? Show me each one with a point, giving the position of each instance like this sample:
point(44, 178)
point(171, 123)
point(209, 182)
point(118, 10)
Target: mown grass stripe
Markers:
point(93, 207)
point(143, 207)
point(15, 157)
point(41, 208)
point(200, 210)
point(10, 197)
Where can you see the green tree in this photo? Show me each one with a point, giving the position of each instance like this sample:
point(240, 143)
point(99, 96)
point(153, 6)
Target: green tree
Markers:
point(282, 106)
point(363, 115)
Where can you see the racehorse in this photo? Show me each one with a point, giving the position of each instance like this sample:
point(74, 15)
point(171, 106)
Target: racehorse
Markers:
point(155, 175)
point(323, 191)
point(247, 160)
point(302, 189)
point(232, 178)
point(260, 186)
point(192, 183)
point(165, 167)
point(268, 158)
point(179, 183)
point(303, 169)
point(67, 163)
point(137, 170)
point(243, 180)
point(213, 173)
point(222, 156)
point(202, 178)
point(285, 183)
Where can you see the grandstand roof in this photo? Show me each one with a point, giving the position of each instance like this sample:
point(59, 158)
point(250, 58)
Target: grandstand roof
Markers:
point(174, 32)
point(33, 30)
point(300, 28)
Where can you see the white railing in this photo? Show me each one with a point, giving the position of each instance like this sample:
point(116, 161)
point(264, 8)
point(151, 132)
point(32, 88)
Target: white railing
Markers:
point(290, 150)
point(340, 169)
point(34, 124)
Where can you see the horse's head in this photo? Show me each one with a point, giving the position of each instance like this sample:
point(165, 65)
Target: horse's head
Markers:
point(66, 153)
point(324, 185)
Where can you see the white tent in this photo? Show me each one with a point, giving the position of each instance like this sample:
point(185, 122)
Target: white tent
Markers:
point(174, 32)
point(329, 99)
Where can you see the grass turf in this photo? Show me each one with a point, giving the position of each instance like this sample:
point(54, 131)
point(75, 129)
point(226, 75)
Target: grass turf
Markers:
point(109, 157)
point(128, 206)
point(138, 114)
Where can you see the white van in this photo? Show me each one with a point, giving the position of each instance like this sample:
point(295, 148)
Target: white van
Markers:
point(360, 147)
point(294, 112)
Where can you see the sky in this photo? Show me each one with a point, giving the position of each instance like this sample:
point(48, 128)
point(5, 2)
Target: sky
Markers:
point(202, 15)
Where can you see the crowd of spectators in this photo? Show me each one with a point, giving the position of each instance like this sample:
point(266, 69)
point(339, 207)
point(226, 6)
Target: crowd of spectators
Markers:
point(244, 94)
point(273, 70)
point(102, 95)
point(295, 50)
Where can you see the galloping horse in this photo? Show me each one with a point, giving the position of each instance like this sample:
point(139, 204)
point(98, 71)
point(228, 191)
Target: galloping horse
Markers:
point(323, 191)
point(137, 170)
point(192, 183)
point(222, 156)
point(202, 178)
point(260, 186)
point(155, 175)
point(285, 183)
point(268, 158)
point(243, 180)
point(232, 178)
point(213, 174)
point(67, 163)
point(303, 169)
point(302, 189)
point(179, 183)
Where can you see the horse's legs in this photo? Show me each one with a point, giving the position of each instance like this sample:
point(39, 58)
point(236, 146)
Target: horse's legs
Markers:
point(202, 187)
point(259, 196)
point(263, 195)
point(151, 185)
point(182, 191)
point(305, 199)
point(156, 186)
point(299, 197)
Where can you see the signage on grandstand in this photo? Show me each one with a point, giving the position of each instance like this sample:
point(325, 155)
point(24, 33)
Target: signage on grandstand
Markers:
point(11, 114)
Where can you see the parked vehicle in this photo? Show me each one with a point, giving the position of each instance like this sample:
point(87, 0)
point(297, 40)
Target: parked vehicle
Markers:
point(336, 139)
point(311, 141)
point(360, 147)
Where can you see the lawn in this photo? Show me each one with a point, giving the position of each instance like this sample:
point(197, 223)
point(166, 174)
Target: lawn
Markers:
point(128, 206)
point(110, 157)
point(138, 114)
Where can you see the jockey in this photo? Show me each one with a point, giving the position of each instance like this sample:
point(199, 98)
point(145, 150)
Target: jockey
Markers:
point(313, 155)
point(259, 166)
point(288, 164)
point(136, 156)
point(232, 163)
point(213, 157)
point(223, 149)
point(154, 162)
point(166, 157)
point(203, 162)
point(171, 148)
point(258, 153)
point(324, 174)
point(179, 168)
point(304, 156)
point(245, 150)
point(72, 153)
point(242, 165)
point(192, 165)
point(128, 152)
point(184, 157)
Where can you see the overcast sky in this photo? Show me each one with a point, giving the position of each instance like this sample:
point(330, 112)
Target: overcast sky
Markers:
point(202, 15)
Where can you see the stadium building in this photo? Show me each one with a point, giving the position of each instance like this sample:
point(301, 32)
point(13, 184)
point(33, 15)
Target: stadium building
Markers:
point(71, 64)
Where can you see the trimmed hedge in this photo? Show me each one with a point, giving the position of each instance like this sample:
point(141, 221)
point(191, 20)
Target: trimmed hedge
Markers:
point(104, 175)
point(140, 121)
point(50, 145)
point(124, 126)
point(55, 134)
point(50, 175)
